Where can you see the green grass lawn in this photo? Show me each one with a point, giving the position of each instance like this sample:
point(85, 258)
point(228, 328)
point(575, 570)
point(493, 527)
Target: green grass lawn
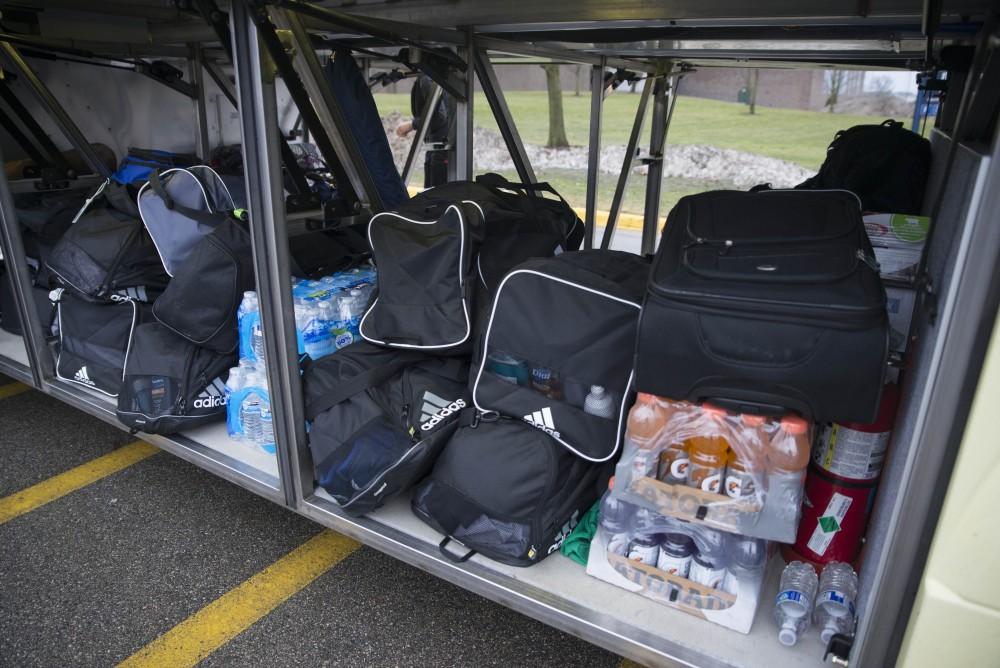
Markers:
point(788, 134)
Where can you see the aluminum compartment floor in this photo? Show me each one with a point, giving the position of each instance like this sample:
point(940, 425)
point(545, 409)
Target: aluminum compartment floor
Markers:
point(12, 347)
point(567, 587)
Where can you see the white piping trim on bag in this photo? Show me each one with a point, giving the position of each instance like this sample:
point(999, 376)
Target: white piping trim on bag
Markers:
point(461, 281)
point(128, 348)
point(486, 346)
point(225, 188)
point(138, 202)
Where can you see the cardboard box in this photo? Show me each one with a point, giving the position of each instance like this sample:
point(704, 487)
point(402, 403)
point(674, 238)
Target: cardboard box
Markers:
point(898, 241)
point(734, 611)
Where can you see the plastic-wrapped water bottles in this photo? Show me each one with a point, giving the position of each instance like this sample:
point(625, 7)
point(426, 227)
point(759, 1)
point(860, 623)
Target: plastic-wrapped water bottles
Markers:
point(250, 409)
point(234, 385)
point(248, 319)
point(838, 587)
point(793, 605)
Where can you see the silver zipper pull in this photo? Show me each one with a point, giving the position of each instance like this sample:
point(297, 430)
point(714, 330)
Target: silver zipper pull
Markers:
point(90, 199)
point(870, 261)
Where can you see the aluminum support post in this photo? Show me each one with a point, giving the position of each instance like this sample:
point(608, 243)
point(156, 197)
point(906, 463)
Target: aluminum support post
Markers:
point(505, 121)
point(628, 163)
point(195, 67)
point(417, 146)
point(594, 152)
point(663, 99)
point(259, 127)
point(326, 110)
point(12, 244)
point(464, 114)
point(52, 106)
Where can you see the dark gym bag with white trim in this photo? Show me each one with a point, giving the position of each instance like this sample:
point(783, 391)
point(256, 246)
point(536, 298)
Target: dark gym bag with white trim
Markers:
point(170, 384)
point(94, 339)
point(766, 301)
point(441, 256)
point(201, 301)
point(516, 478)
point(379, 418)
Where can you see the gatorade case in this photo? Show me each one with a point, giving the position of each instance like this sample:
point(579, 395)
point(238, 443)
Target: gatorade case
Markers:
point(765, 302)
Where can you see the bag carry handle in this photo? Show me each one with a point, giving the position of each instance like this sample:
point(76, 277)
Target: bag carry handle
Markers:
point(458, 559)
point(358, 384)
point(205, 217)
point(498, 182)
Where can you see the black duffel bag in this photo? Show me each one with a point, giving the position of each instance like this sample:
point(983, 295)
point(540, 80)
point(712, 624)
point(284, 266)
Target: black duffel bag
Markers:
point(201, 301)
point(441, 256)
point(507, 491)
point(94, 339)
point(108, 252)
point(767, 301)
point(885, 165)
point(170, 384)
point(379, 418)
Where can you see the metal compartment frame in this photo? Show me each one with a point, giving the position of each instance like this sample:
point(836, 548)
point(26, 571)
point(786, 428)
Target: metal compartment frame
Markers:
point(893, 33)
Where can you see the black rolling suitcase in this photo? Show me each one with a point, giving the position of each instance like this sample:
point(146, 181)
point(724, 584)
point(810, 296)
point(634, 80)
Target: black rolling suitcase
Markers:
point(766, 301)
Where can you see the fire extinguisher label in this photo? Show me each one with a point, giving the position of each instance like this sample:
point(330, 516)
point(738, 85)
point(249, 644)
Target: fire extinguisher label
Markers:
point(849, 453)
point(829, 523)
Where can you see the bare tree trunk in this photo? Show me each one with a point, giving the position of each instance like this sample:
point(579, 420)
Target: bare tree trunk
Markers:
point(576, 89)
point(753, 90)
point(557, 124)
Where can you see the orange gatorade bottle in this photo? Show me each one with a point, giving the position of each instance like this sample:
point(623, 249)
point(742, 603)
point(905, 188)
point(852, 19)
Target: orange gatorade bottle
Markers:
point(645, 422)
point(787, 457)
point(747, 458)
point(707, 455)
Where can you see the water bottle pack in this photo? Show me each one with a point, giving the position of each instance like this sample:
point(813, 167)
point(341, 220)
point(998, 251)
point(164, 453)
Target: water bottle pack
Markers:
point(681, 564)
point(328, 312)
point(248, 407)
point(737, 473)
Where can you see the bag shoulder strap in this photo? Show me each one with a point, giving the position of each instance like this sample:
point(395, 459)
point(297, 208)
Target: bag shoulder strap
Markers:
point(350, 387)
point(206, 217)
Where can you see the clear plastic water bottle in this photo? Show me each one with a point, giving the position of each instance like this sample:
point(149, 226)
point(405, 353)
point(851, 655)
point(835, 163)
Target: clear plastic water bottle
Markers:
point(746, 563)
point(266, 442)
point(325, 320)
point(234, 383)
point(793, 605)
point(257, 338)
point(250, 410)
point(838, 587)
point(598, 403)
point(245, 323)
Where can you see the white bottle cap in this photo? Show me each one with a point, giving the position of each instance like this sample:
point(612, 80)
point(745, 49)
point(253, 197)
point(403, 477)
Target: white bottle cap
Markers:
point(596, 389)
point(787, 635)
point(828, 631)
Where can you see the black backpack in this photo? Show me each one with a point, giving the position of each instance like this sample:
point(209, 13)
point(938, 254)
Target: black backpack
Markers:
point(170, 384)
point(513, 483)
point(94, 339)
point(201, 301)
point(107, 250)
point(442, 255)
point(379, 418)
point(885, 165)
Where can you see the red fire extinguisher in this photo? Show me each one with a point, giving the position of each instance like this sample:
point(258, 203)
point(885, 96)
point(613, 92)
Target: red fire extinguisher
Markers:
point(841, 485)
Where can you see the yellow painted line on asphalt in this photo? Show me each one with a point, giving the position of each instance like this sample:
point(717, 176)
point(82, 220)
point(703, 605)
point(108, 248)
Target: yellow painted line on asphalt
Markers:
point(13, 389)
point(62, 484)
point(626, 221)
point(629, 663)
point(223, 619)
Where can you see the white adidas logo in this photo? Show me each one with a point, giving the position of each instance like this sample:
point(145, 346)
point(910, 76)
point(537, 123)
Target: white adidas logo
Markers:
point(82, 377)
point(436, 409)
point(212, 396)
point(543, 420)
